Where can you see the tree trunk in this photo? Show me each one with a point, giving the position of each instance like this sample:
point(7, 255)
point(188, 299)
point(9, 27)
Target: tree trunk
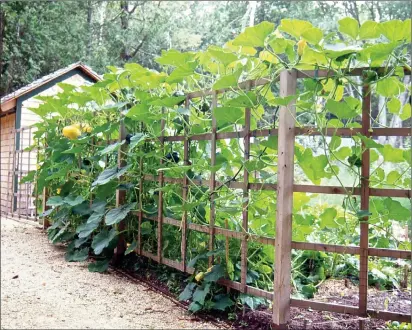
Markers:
point(124, 24)
point(253, 5)
point(102, 19)
point(89, 28)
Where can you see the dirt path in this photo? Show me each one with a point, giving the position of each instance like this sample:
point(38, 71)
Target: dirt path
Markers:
point(50, 293)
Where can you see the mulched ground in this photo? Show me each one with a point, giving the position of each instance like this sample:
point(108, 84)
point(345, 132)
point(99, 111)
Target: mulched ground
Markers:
point(333, 291)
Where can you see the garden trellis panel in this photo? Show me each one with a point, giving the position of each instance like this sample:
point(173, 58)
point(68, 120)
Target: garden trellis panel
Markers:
point(285, 188)
point(18, 160)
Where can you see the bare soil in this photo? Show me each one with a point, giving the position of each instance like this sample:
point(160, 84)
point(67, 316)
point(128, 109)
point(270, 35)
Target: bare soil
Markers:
point(40, 290)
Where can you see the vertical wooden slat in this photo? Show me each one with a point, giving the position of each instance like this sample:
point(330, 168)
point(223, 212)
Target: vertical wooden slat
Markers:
point(183, 243)
point(286, 141)
point(140, 219)
point(28, 198)
point(121, 196)
point(212, 183)
point(245, 210)
point(13, 169)
point(46, 222)
point(364, 226)
point(20, 172)
point(227, 255)
point(160, 206)
point(36, 182)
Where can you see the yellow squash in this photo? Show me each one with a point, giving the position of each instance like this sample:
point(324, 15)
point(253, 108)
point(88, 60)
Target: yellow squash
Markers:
point(71, 132)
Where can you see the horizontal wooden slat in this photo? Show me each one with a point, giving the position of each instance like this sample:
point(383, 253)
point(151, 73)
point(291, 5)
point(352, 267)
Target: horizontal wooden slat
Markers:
point(330, 248)
point(300, 74)
point(321, 306)
point(299, 131)
point(335, 190)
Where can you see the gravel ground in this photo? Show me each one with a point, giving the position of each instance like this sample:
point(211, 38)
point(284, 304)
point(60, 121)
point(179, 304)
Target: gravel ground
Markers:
point(40, 290)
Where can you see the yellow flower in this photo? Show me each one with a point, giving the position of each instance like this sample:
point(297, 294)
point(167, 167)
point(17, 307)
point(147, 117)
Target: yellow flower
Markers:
point(38, 167)
point(199, 276)
point(58, 191)
point(87, 128)
point(77, 125)
point(301, 46)
point(71, 132)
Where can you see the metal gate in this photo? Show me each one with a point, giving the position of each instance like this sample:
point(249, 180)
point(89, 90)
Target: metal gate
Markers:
point(18, 199)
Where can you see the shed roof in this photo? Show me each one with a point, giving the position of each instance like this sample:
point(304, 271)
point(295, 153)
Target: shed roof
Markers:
point(7, 102)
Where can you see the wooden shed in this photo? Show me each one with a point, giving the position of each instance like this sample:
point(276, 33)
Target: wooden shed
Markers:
point(16, 134)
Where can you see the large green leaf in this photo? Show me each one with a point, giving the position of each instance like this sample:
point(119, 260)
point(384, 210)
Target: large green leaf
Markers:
point(73, 201)
point(174, 57)
point(349, 26)
point(294, 27)
point(111, 148)
point(200, 293)
point(109, 174)
point(342, 110)
point(77, 255)
point(92, 223)
point(222, 301)
point(313, 35)
point(102, 240)
point(99, 266)
point(254, 36)
point(222, 56)
point(136, 140)
point(182, 71)
point(217, 272)
point(118, 214)
point(389, 87)
point(187, 292)
point(392, 29)
point(247, 100)
point(55, 201)
point(229, 115)
point(227, 81)
point(394, 106)
point(168, 101)
point(328, 218)
point(369, 30)
point(369, 143)
point(391, 154)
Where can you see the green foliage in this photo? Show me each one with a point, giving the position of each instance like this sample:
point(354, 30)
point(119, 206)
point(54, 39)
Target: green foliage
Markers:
point(151, 104)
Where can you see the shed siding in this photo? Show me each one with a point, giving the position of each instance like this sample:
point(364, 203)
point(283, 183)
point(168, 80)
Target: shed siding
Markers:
point(7, 146)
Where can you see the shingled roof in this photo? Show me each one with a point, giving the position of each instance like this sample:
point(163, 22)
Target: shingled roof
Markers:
point(45, 79)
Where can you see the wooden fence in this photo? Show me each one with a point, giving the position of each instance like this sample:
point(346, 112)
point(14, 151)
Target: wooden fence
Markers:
point(285, 187)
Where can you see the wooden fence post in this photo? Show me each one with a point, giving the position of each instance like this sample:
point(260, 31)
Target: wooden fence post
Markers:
point(364, 226)
point(283, 244)
point(120, 197)
point(212, 184)
point(185, 190)
point(245, 204)
point(160, 204)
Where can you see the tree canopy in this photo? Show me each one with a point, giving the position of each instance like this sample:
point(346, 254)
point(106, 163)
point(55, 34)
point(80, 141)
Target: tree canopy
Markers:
point(39, 37)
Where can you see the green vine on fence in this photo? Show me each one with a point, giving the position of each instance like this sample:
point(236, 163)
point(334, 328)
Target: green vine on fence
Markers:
point(79, 163)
